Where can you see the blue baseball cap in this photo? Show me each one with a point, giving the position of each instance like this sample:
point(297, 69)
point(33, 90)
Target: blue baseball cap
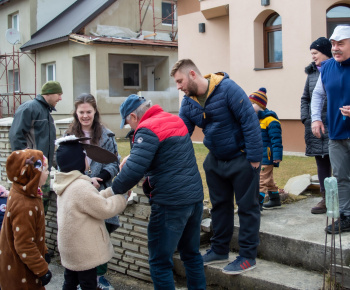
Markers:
point(130, 105)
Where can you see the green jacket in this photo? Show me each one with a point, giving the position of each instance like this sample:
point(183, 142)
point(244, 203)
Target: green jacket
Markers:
point(33, 127)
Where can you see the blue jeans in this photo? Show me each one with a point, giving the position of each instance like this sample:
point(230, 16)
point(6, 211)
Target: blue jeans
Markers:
point(170, 227)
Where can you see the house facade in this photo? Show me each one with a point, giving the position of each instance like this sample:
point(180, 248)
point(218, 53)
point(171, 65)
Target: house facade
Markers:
point(109, 48)
point(260, 43)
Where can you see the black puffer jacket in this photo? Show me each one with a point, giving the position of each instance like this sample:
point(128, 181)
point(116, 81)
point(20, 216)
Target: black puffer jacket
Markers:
point(314, 146)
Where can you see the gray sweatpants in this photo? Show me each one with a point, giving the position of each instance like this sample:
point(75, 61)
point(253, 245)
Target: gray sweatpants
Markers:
point(339, 153)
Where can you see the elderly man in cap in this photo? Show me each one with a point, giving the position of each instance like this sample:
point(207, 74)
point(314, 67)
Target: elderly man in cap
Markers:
point(334, 83)
point(163, 153)
point(34, 128)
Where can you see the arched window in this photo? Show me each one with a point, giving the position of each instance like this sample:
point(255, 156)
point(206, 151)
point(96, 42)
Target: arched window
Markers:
point(273, 41)
point(336, 15)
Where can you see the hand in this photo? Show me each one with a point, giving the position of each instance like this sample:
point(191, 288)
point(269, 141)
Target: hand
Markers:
point(46, 278)
point(277, 161)
point(123, 162)
point(95, 183)
point(317, 127)
point(255, 164)
point(345, 110)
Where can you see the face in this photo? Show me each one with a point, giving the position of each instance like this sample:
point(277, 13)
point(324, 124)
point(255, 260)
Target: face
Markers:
point(44, 174)
point(318, 57)
point(86, 114)
point(185, 82)
point(341, 49)
point(53, 99)
point(133, 121)
point(256, 107)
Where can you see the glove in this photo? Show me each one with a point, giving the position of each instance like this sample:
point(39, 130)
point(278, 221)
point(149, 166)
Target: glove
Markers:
point(46, 278)
point(48, 258)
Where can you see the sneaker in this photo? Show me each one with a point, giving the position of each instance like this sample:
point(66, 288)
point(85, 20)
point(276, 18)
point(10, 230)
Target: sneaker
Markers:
point(239, 266)
point(104, 284)
point(211, 257)
point(344, 225)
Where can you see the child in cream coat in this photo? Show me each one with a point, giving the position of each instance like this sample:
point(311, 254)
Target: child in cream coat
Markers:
point(83, 241)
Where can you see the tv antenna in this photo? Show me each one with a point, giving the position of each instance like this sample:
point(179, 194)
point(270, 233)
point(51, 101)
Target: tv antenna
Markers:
point(13, 36)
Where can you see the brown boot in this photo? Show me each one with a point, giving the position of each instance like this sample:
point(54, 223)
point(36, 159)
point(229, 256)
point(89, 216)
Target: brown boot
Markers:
point(320, 207)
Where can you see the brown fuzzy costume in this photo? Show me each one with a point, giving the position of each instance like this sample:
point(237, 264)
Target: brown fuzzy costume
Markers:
point(22, 238)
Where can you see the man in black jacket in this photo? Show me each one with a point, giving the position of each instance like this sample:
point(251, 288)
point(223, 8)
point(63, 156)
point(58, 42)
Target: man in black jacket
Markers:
point(33, 126)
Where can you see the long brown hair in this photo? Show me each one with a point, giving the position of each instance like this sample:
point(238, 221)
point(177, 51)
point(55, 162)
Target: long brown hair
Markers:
point(75, 126)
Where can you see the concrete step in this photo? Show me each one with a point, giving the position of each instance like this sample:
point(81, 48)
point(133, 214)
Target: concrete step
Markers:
point(266, 275)
point(291, 235)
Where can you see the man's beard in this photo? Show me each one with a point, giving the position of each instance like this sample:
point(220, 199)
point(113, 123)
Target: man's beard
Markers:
point(192, 88)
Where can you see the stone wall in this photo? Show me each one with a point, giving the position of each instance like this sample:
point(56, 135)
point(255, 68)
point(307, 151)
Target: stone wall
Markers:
point(130, 240)
point(5, 149)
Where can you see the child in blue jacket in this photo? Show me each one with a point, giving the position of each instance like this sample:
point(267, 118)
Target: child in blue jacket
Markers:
point(273, 150)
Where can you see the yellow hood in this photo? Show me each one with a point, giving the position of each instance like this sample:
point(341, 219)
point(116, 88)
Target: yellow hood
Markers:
point(214, 80)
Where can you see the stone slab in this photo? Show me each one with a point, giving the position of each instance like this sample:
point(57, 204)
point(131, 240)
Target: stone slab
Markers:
point(297, 184)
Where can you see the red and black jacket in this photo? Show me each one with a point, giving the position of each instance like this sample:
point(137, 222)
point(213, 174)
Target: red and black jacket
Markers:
point(163, 152)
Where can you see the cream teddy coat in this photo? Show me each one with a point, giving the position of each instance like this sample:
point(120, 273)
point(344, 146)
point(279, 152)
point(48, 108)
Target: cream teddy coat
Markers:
point(83, 241)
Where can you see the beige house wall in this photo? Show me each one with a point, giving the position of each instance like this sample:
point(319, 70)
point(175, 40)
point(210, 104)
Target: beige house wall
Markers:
point(234, 44)
point(115, 16)
point(98, 56)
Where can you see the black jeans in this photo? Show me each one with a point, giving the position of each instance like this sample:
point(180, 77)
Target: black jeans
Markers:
point(87, 279)
point(226, 179)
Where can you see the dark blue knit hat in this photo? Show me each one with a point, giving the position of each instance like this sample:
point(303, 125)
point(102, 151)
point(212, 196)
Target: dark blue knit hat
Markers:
point(322, 45)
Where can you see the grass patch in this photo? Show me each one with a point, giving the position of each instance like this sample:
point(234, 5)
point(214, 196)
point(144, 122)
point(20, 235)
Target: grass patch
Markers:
point(290, 166)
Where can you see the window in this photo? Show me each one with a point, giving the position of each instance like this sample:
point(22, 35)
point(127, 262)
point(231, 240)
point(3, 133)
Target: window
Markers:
point(13, 78)
point(50, 72)
point(273, 41)
point(15, 21)
point(132, 75)
point(168, 13)
point(337, 15)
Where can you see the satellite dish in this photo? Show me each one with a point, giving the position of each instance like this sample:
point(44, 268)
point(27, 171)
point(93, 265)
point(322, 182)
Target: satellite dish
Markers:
point(13, 36)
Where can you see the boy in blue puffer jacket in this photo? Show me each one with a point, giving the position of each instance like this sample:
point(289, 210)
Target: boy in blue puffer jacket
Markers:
point(273, 150)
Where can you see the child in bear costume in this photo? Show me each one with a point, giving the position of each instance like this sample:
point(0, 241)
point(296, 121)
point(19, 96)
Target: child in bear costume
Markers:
point(23, 252)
